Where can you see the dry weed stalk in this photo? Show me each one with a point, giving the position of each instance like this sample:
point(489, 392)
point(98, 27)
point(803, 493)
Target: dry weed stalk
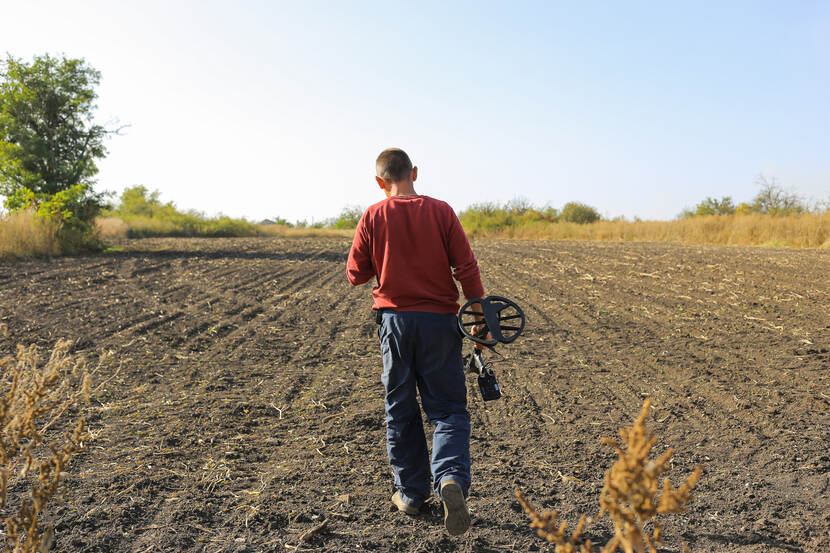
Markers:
point(545, 524)
point(33, 397)
point(629, 497)
point(629, 494)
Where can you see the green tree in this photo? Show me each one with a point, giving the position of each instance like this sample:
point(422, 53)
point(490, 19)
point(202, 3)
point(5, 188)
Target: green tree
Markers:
point(137, 200)
point(519, 206)
point(575, 212)
point(49, 141)
point(550, 213)
point(773, 199)
point(712, 206)
point(348, 218)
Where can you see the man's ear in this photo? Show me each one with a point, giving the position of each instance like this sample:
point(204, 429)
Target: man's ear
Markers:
point(414, 173)
point(380, 182)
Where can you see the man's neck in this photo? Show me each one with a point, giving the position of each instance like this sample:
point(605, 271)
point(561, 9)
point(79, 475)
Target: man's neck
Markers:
point(402, 189)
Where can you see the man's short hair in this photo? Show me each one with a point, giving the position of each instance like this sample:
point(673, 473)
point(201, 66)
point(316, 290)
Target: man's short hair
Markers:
point(393, 165)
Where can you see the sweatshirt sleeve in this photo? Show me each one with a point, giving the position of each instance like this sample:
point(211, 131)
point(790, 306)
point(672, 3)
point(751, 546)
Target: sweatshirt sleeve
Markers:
point(359, 268)
point(462, 260)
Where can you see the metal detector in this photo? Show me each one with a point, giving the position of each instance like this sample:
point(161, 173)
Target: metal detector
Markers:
point(500, 318)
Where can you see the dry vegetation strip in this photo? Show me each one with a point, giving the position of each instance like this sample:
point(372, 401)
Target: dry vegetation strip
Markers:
point(114, 229)
point(807, 230)
point(23, 235)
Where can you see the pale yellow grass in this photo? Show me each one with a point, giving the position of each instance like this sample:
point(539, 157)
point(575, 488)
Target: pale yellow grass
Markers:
point(809, 230)
point(284, 230)
point(111, 228)
point(22, 234)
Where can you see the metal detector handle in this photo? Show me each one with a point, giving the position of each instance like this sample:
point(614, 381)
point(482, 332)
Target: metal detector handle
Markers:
point(476, 362)
point(488, 385)
point(481, 335)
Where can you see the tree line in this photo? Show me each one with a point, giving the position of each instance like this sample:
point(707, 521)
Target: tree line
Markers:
point(772, 199)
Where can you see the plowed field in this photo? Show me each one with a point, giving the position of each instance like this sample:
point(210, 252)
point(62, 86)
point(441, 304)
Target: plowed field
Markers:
point(248, 408)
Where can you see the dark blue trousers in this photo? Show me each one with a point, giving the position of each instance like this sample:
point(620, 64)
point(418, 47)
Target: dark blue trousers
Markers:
point(423, 350)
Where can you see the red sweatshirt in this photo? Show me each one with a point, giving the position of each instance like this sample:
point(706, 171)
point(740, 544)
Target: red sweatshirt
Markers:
point(414, 245)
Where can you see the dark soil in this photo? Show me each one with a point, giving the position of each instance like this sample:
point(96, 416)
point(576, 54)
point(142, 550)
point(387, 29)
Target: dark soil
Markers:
point(248, 408)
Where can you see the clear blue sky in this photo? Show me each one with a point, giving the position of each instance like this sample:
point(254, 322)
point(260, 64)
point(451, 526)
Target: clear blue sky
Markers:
point(265, 109)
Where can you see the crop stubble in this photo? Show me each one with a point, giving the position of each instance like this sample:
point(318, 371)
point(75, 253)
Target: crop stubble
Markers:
point(249, 408)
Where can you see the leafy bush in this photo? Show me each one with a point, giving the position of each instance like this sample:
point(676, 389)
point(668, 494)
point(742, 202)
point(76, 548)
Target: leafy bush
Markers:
point(72, 211)
point(490, 217)
point(139, 201)
point(575, 212)
point(711, 206)
point(348, 218)
point(226, 227)
point(486, 217)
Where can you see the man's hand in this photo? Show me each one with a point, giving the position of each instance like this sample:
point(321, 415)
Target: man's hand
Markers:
point(479, 316)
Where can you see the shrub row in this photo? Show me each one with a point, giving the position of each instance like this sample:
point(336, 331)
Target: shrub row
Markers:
point(144, 216)
point(492, 218)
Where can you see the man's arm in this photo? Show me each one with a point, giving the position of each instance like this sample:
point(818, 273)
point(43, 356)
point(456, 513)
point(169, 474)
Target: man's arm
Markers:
point(359, 269)
point(462, 260)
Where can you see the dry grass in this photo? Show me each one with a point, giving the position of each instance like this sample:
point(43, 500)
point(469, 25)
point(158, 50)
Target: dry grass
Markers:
point(298, 232)
point(22, 235)
point(116, 229)
point(111, 228)
point(34, 396)
point(629, 497)
point(808, 230)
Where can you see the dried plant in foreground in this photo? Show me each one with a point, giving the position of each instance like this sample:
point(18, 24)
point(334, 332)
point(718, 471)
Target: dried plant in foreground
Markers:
point(545, 525)
point(33, 397)
point(629, 497)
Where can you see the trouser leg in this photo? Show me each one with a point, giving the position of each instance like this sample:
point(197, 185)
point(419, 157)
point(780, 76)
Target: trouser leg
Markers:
point(405, 440)
point(442, 385)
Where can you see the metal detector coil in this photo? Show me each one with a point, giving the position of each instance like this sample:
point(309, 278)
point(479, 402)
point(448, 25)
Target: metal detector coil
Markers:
point(497, 311)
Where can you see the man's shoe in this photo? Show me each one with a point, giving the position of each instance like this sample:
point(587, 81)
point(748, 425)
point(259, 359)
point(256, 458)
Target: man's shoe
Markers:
point(456, 515)
point(403, 507)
